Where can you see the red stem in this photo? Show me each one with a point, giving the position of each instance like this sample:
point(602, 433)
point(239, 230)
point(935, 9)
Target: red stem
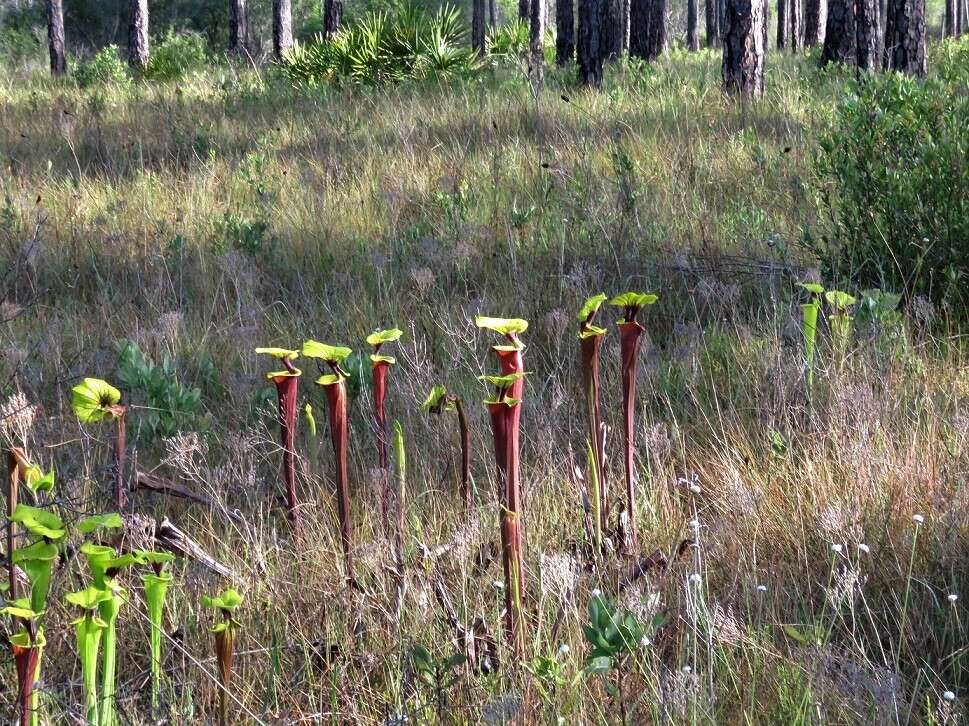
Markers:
point(590, 347)
point(629, 333)
point(223, 652)
point(336, 399)
point(287, 388)
point(120, 491)
point(380, 369)
point(26, 661)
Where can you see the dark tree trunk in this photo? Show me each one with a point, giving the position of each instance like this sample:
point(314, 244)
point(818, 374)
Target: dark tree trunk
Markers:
point(332, 17)
point(692, 20)
point(905, 37)
point(713, 24)
point(647, 38)
point(743, 48)
point(794, 18)
point(590, 55)
point(564, 31)
point(657, 27)
point(492, 14)
point(478, 26)
point(138, 35)
point(840, 38)
point(610, 28)
point(536, 39)
point(813, 29)
point(962, 17)
point(866, 35)
point(238, 27)
point(525, 10)
point(781, 24)
point(282, 27)
point(55, 37)
point(949, 21)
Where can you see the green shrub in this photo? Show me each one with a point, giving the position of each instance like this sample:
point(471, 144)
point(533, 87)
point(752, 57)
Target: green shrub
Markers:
point(175, 55)
point(104, 68)
point(511, 39)
point(893, 185)
point(17, 46)
point(168, 406)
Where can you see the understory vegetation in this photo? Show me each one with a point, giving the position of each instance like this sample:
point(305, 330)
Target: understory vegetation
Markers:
point(799, 453)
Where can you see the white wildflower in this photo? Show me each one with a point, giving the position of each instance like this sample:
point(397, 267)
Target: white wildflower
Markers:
point(918, 519)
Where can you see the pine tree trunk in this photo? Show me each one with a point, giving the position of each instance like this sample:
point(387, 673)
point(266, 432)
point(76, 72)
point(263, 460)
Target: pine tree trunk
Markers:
point(839, 34)
point(536, 39)
point(332, 17)
point(492, 14)
point(813, 27)
point(138, 35)
point(647, 38)
point(949, 21)
point(524, 10)
point(478, 26)
point(610, 29)
point(282, 28)
point(692, 20)
point(781, 24)
point(238, 27)
point(55, 37)
point(743, 48)
point(590, 55)
point(564, 31)
point(626, 10)
point(905, 37)
point(713, 26)
point(794, 18)
point(866, 35)
point(657, 27)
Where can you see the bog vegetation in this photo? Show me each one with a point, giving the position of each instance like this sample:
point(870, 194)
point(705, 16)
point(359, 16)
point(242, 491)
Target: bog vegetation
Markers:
point(635, 405)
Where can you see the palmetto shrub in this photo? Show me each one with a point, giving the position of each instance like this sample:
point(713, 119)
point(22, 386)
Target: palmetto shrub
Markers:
point(401, 43)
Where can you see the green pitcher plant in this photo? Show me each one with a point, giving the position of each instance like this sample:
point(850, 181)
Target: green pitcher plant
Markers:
point(287, 385)
point(89, 628)
point(94, 400)
point(156, 583)
point(840, 318)
point(809, 329)
point(27, 645)
point(226, 604)
point(438, 400)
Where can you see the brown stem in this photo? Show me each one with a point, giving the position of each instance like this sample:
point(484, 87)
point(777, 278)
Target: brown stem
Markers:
point(223, 653)
point(380, 369)
point(629, 333)
point(336, 398)
point(590, 347)
point(27, 661)
point(286, 390)
point(120, 493)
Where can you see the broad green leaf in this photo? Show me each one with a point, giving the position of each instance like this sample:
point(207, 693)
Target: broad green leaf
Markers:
point(384, 336)
point(812, 287)
point(795, 634)
point(599, 665)
point(633, 300)
point(228, 600)
point(281, 353)
point(39, 550)
point(150, 557)
point(89, 598)
point(591, 306)
point(435, 398)
point(839, 299)
point(99, 521)
point(94, 399)
point(330, 353)
point(39, 522)
point(502, 381)
point(20, 610)
point(505, 326)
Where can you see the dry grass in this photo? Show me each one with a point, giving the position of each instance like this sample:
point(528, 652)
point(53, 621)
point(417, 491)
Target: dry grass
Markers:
point(420, 206)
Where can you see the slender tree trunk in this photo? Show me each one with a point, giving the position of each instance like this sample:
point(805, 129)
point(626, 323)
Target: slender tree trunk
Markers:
point(55, 37)
point(648, 29)
point(332, 17)
point(492, 14)
point(589, 52)
point(610, 29)
point(781, 24)
point(536, 39)
point(238, 27)
point(564, 31)
point(949, 20)
point(743, 48)
point(626, 10)
point(657, 27)
point(813, 28)
point(962, 17)
point(840, 39)
point(525, 10)
point(692, 20)
point(905, 37)
point(138, 35)
point(282, 27)
point(478, 26)
point(866, 35)
point(794, 18)
point(713, 25)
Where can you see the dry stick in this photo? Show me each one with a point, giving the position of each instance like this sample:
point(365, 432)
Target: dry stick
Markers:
point(120, 496)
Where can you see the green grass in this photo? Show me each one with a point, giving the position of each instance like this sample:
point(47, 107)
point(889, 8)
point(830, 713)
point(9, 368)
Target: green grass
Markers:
point(209, 216)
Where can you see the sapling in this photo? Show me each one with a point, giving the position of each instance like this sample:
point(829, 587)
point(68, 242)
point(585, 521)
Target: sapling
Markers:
point(89, 628)
point(505, 411)
point(156, 585)
point(93, 401)
point(437, 401)
point(226, 604)
point(381, 366)
point(590, 342)
point(809, 324)
point(287, 384)
point(630, 331)
point(335, 387)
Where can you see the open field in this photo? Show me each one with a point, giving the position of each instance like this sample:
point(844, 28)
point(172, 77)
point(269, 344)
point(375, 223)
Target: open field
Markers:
point(203, 218)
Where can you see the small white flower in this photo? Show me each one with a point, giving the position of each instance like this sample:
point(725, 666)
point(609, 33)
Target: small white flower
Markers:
point(696, 578)
point(687, 669)
point(645, 642)
point(836, 548)
point(762, 588)
point(949, 696)
point(694, 525)
point(498, 585)
point(564, 649)
point(597, 592)
point(918, 518)
point(695, 488)
point(864, 548)
point(952, 597)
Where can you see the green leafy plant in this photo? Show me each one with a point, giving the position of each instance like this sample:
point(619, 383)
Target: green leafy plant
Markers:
point(840, 319)
point(104, 68)
point(156, 585)
point(93, 401)
point(630, 331)
point(89, 628)
point(226, 604)
point(439, 400)
point(169, 406)
point(505, 412)
point(809, 329)
point(287, 384)
point(380, 367)
point(175, 55)
point(334, 385)
point(590, 343)
point(438, 674)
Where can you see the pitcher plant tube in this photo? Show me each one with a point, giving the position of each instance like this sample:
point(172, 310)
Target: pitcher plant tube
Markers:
point(156, 583)
point(287, 385)
point(438, 401)
point(505, 412)
point(224, 632)
point(28, 649)
point(334, 385)
point(590, 343)
point(840, 319)
point(94, 400)
point(89, 628)
point(809, 329)
point(630, 331)
point(380, 365)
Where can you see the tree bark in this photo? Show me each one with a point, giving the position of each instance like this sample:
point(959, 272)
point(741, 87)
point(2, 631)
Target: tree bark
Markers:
point(626, 11)
point(905, 37)
point(238, 27)
point(794, 18)
point(525, 10)
point(647, 38)
point(590, 55)
point(55, 37)
point(713, 25)
point(138, 35)
point(866, 35)
point(949, 20)
point(332, 17)
point(610, 29)
point(840, 39)
point(564, 31)
point(743, 48)
point(478, 26)
point(813, 23)
point(781, 24)
point(692, 20)
point(282, 28)
point(492, 14)
point(657, 27)
point(536, 39)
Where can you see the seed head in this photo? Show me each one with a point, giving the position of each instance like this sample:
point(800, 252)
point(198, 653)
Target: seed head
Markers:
point(918, 519)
